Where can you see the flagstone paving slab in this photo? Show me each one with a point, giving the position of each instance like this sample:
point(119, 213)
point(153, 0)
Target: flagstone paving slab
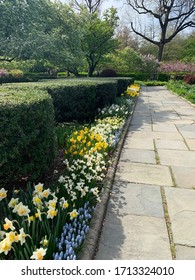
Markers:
point(137, 199)
point(184, 176)
point(138, 155)
point(134, 237)
point(166, 127)
point(177, 158)
point(191, 144)
point(144, 174)
point(181, 208)
point(143, 127)
point(185, 253)
point(171, 144)
point(156, 135)
point(138, 143)
point(188, 130)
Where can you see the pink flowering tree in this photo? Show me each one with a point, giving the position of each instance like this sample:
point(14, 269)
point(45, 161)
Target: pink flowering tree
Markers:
point(150, 65)
point(3, 73)
point(178, 67)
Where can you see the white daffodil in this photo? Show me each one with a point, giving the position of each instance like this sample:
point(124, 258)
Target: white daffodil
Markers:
point(3, 194)
point(8, 224)
point(39, 254)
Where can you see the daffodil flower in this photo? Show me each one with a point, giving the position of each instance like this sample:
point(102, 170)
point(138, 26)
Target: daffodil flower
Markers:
point(44, 242)
point(5, 246)
point(21, 209)
point(13, 202)
point(39, 254)
point(37, 201)
point(73, 214)
point(8, 225)
point(46, 193)
point(22, 236)
point(11, 236)
point(64, 203)
point(3, 193)
point(38, 188)
point(51, 213)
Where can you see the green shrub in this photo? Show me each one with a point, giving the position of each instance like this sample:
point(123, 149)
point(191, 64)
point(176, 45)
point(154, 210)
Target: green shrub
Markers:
point(151, 83)
point(108, 73)
point(80, 101)
point(163, 77)
point(123, 83)
point(27, 139)
point(76, 99)
point(16, 73)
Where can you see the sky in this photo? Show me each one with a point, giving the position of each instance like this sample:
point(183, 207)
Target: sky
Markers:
point(119, 4)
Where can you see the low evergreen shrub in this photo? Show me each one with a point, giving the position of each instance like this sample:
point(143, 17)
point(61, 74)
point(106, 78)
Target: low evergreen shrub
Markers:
point(108, 73)
point(80, 101)
point(27, 139)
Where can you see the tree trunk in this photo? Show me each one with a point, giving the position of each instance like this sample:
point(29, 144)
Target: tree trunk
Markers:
point(90, 71)
point(160, 51)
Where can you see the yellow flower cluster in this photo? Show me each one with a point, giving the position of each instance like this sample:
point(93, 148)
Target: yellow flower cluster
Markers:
point(133, 90)
point(114, 122)
point(85, 141)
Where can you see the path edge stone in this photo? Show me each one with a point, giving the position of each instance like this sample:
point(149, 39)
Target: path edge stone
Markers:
point(90, 244)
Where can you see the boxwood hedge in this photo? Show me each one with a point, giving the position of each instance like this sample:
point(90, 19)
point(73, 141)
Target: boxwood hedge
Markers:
point(27, 138)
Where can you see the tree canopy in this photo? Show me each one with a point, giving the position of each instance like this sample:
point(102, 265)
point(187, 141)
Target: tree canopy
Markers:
point(97, 39)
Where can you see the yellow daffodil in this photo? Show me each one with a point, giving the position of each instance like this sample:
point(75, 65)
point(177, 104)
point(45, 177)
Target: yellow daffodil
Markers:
point(51, 213)
point(38, 214)
point(73, 214)
point(44, 242)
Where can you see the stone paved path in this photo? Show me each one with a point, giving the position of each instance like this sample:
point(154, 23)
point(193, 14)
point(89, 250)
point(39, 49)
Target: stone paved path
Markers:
point(151, 212)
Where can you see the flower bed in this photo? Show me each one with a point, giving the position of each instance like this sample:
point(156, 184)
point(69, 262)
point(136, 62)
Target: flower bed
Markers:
point(52, 223)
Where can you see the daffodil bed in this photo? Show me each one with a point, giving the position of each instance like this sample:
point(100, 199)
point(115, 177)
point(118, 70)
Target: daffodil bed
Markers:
point(52, 223)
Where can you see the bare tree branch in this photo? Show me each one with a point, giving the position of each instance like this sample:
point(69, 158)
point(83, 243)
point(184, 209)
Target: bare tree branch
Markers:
point(91, 5)
point(167, 13)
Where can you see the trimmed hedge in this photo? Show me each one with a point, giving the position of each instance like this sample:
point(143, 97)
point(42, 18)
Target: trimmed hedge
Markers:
point(27, 139)
point(80, 101)
point(139, 76)
point(123, 83)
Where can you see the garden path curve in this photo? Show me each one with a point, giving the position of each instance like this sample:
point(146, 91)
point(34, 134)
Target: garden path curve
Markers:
point(151, 210)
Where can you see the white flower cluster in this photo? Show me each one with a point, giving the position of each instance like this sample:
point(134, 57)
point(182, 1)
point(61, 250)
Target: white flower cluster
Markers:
point(83, 174)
